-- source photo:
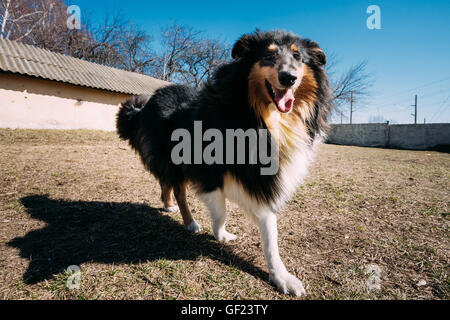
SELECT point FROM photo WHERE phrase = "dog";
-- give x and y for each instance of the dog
(274, 83)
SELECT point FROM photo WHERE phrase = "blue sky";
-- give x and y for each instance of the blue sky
(409, 55)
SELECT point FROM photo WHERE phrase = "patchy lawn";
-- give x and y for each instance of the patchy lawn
(83, 198)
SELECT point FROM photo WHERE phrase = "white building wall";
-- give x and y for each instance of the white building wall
(31, 103)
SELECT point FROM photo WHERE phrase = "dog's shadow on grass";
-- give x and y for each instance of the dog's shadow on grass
(110, 233)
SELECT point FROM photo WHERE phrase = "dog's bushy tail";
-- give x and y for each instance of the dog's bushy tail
(128, 115)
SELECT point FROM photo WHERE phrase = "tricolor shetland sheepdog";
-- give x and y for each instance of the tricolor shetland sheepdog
(275, 83)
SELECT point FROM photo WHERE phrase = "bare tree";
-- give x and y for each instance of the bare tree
(354, 83)
(43, 23)
(117, 43)
(5, 14)
(104, 43)
(185, 56)
(136, 52)
(176, 40)
(21, 18)
(199, 62)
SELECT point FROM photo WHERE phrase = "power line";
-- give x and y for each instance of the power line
(403, 101)
(441, 108)
(414, 89)
(385, 103)
(445, 91)
(437, 100)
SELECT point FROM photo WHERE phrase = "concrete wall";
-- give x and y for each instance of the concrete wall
(368, 135)
(32, 103)
(418, 137)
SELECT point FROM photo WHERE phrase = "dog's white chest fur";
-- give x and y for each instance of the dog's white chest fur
(292, 175)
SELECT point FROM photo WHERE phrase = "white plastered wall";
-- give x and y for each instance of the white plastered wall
(33, 103)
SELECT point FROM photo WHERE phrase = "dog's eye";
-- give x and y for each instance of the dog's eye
(297, 56)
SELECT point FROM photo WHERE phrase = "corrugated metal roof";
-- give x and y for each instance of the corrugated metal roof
(24, 59)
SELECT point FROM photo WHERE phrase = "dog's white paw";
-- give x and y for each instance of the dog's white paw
(288, 284)
(225, 236)
(194, 227)
(171, 209)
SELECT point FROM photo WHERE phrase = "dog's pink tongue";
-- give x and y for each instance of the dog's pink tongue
(284, 99)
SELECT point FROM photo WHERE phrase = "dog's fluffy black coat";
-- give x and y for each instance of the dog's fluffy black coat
(223, 103)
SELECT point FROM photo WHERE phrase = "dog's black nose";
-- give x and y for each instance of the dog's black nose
(287, 79)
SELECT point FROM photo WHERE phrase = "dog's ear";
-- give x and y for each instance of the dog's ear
(319, 56)
(242, 47)
(315, 52)
(246, 43)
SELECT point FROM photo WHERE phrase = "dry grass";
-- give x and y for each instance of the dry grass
(83, 198)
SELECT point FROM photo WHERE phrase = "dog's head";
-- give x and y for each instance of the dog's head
(281, 71)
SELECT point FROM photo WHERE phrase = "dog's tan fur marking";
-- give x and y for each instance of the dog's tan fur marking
(306, 95)
(273, 47)
(257, 91)
(294, 48)
(166, 196)
(180, 195)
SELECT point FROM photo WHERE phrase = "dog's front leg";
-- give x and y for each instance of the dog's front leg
(283, 280)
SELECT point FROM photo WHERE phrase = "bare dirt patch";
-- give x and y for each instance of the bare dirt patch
(83, 198)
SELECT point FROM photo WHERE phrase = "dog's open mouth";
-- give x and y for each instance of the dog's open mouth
(283, 98)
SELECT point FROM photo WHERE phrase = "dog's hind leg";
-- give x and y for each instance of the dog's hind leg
(166, 198)
(215, 201)
(283, 280)
(189, 222)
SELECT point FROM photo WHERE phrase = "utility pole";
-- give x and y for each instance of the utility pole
(415, 111)
(341, 117)
(351, 108)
